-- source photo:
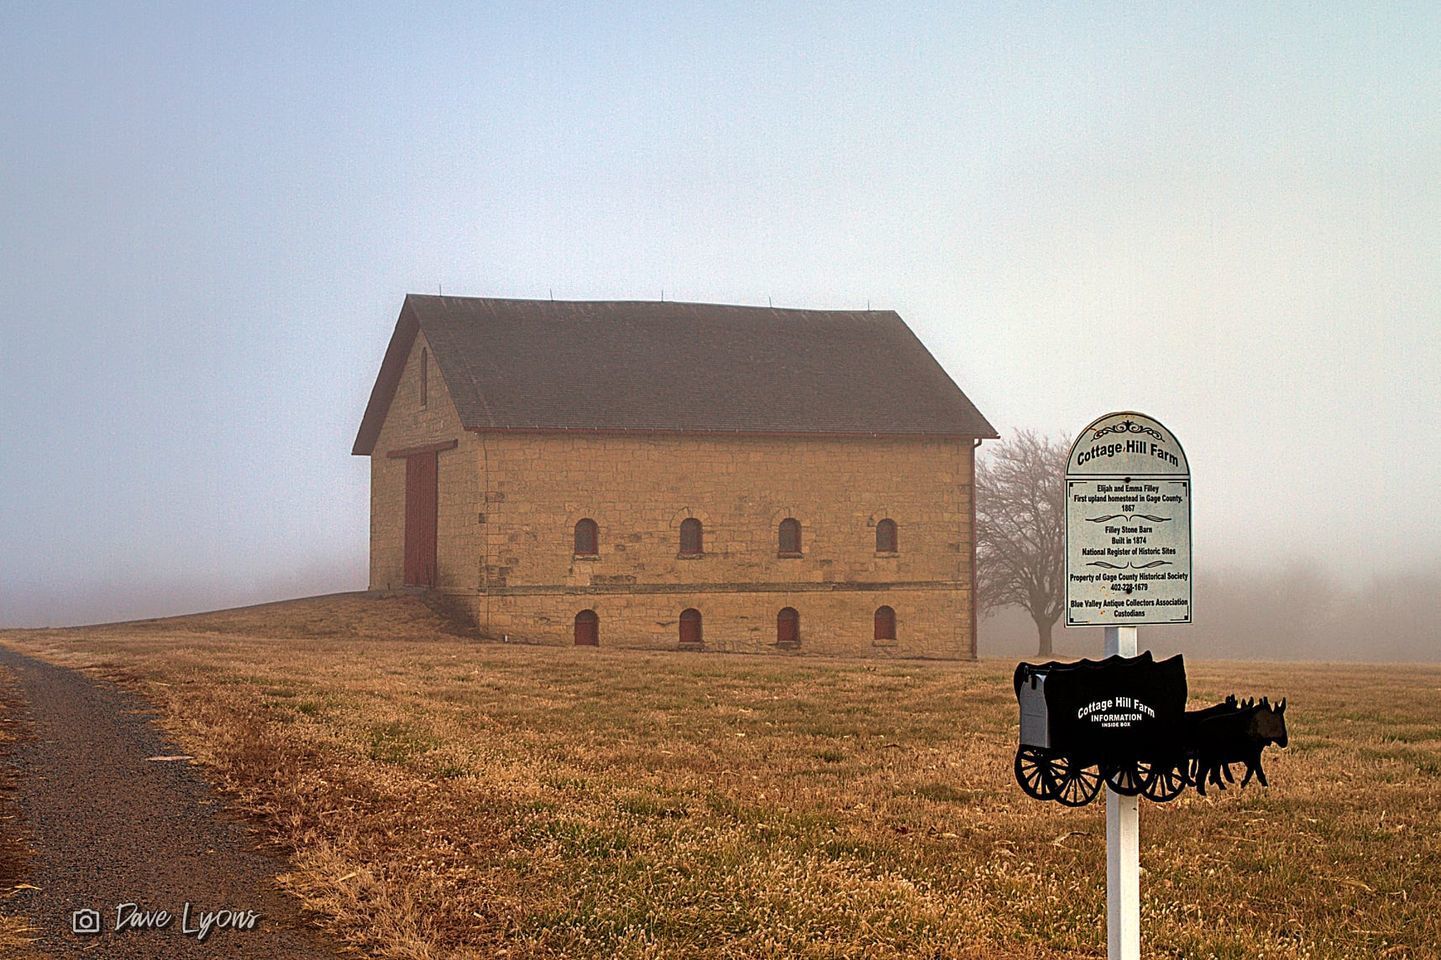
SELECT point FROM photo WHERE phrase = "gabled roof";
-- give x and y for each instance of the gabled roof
(637, 367)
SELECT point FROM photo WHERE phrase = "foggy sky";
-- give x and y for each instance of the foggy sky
(1229, 218)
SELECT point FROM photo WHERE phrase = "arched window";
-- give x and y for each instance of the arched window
(886, 536)
(587, 538)
(587, 629)
(691, 543)
(690, 626)
(424, 377)
(885, 624)
(788, 627)
(790, 537)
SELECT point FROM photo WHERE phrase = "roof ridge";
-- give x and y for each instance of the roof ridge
(668, 366)
(657, 303)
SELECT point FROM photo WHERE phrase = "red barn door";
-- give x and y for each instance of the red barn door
(420, 513)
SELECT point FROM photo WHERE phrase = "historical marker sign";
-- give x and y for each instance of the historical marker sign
(1128, 525)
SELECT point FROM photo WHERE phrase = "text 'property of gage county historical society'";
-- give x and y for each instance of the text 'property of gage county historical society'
(1128, 525)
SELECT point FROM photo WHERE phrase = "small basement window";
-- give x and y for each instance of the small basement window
(587, 629)
(690, 634)
(885, 625)
(788, 628)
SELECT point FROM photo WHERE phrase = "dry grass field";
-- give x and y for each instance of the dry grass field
(442, 798)
(15, 932)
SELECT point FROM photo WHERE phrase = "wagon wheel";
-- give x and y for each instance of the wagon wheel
(1077, 783)
(1125, 778)
(1035, 773)
(1162, 781)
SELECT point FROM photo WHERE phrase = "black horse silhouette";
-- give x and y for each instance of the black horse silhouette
(1236, 736)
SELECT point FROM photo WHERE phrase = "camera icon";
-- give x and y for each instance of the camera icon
(85, 921)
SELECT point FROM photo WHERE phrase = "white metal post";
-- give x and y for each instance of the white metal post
(1123, 846)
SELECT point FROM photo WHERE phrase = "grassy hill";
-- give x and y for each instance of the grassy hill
(443, 797)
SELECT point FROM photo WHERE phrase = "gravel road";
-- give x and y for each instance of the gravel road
(110, 826)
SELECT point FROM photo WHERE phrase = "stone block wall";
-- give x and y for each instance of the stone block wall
(509, 504)
(639, 489)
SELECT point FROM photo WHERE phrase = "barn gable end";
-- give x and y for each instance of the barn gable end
(408, 428)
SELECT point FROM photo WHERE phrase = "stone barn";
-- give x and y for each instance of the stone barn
(676, 475)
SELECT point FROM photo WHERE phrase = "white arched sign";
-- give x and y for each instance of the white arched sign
(1128, 525)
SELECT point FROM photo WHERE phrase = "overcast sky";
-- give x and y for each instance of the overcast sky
(1228, 217)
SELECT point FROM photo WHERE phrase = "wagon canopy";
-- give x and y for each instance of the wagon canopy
(1104, 702)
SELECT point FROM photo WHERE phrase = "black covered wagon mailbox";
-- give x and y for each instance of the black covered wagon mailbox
(1100, 721)
(1123, 722)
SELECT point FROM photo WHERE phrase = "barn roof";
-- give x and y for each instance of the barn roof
(617, 366)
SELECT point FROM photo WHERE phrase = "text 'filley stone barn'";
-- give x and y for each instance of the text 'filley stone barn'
(676, 475)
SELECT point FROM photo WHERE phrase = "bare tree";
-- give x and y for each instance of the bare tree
(1020, 528)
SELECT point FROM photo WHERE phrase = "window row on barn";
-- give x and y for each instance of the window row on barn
(692, 538)
(788, 627)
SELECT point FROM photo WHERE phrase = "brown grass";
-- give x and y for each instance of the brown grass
(17, 935)
(446, 798)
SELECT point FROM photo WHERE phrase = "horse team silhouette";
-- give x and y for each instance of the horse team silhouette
(1235, 733)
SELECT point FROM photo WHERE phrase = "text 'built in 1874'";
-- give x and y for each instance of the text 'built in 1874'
(1128, 525)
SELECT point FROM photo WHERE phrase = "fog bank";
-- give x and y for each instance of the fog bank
(1297, 611)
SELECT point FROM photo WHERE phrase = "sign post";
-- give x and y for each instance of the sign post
(1128, 562)
(1123, 845)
